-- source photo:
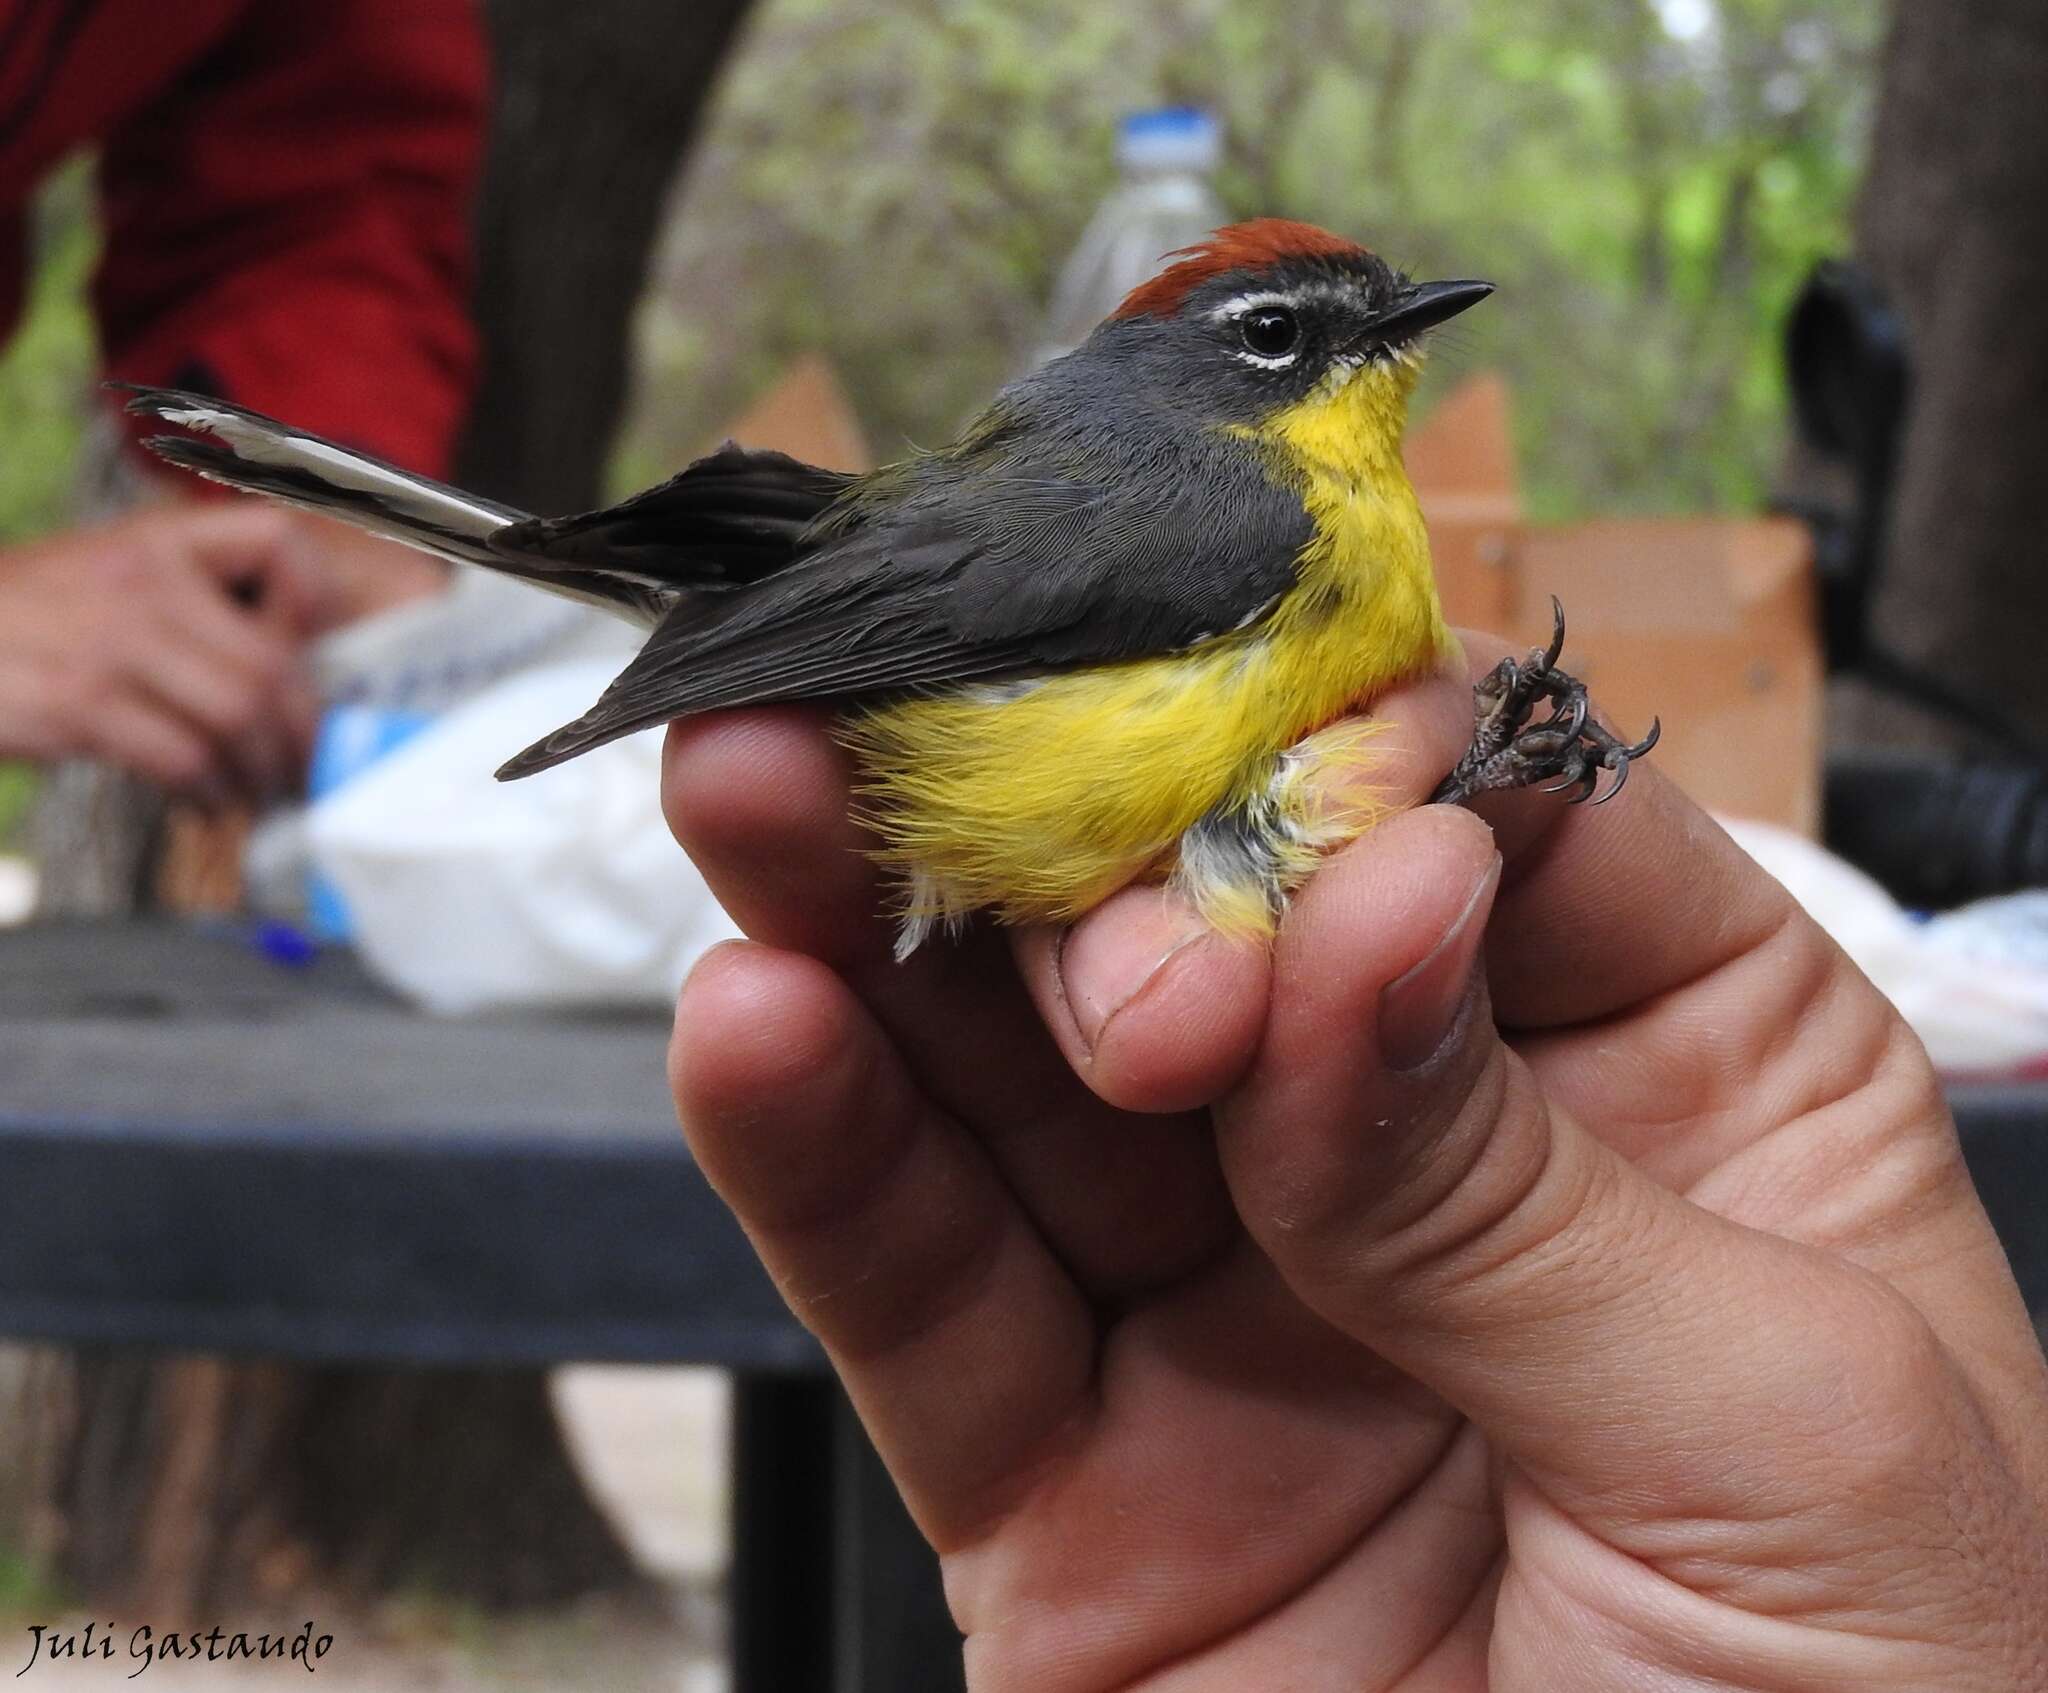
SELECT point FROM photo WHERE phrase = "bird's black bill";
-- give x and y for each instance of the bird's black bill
(1426, 305)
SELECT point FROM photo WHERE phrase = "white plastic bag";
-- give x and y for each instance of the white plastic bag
(466, 893)
(1974, 992)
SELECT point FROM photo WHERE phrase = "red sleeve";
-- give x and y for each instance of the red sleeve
(289, 224)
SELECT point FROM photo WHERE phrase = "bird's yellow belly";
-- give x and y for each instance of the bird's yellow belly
(1038, 798)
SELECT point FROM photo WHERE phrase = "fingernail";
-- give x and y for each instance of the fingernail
(1109, 959)
(1420, 1006)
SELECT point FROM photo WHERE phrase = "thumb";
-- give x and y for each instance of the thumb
(1400, 1166)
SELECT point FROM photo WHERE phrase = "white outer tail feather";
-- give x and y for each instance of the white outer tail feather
(287, 449)
(254, 454)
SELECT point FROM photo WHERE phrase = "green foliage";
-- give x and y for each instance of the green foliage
(26, 1590)
(898, 184)
(47, 370)
(17, 789)
(46, 373)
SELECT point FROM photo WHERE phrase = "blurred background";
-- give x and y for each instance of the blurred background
(1649, 185)
(896, 187)
(1760, 397)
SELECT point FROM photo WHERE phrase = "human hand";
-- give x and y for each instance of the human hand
(360, 575)
(167, 643)
(1552, 1270)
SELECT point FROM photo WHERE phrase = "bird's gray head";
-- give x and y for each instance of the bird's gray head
(1265, 315)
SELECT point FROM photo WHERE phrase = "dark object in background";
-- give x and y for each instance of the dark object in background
(387, 1197)
(1851, 376)
(596, 109)
(1936, 832)
(1845, 356)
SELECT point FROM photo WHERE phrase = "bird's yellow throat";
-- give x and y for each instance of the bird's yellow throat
(1040, 797)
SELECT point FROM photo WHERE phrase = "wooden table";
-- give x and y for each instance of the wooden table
(202, 1149)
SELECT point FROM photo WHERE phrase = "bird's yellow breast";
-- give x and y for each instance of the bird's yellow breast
(1040, 797)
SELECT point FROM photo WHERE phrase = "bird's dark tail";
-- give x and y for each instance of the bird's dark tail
(696, 542)
(246, 450)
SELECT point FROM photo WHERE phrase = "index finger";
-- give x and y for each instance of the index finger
(762, 802)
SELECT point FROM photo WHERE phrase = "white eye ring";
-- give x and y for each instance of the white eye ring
(1235, 311)
(1244, 355)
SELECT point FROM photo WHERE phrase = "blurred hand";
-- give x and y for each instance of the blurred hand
(360, 575)
(1552, 1268)
(167, 643)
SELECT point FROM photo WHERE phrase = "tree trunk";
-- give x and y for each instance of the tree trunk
(1954, 222)
(595, 106)
(182, 1488)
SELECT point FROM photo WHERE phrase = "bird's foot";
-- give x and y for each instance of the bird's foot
(1566, 751)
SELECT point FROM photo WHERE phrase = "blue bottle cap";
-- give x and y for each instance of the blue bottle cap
(1179, 138)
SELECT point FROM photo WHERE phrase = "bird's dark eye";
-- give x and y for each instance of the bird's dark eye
(1269, 331)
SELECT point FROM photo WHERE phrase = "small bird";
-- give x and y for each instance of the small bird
(1112, 632)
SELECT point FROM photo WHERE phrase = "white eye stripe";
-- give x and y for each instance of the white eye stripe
(1324, 293)
(1239, 304)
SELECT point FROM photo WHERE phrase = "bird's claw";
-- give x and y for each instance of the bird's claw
(1567, 751)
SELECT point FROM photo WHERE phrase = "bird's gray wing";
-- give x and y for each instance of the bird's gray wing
(1030, 546)
(730, 518)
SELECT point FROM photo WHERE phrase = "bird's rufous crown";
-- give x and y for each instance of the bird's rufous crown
(1238, 246)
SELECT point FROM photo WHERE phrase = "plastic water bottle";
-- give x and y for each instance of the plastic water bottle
(1163, 201)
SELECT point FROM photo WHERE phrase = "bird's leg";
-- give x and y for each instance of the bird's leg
(1567, 750)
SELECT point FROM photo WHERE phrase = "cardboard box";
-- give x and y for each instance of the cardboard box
(804, 413)
(1705, 623)
(1462, 462)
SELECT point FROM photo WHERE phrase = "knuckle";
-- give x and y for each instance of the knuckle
(1485, 1197)
(257, 521)
(70, 694)
(1888, 1391)
(254, 536)
(182, 766)
(1913, 1363)
(125, 567)
(241, 702)
(269, 667)
(125, 647)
